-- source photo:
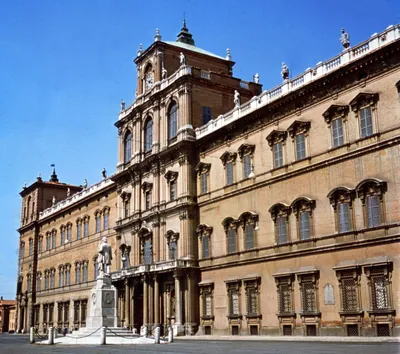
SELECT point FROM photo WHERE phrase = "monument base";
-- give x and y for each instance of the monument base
(103, 304)
(178, 329)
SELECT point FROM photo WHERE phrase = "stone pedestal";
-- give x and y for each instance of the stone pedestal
(103, 304)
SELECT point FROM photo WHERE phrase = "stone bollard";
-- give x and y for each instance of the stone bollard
(51, 336)
(143, 331)
(170, 335)
(134, 331)
(103, 336)
(54, 334)
(32, 335)
(157, 335)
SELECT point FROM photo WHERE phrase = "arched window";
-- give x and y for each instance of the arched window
(249, 220)
(302, 208)
(230, 227)
(148, 135)
(128, 146)
(172, 120)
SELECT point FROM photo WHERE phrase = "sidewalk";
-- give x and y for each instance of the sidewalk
(294, 339)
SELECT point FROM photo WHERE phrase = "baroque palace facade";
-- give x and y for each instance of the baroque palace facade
(233, 210)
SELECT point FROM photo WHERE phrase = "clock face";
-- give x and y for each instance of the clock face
(149, 80)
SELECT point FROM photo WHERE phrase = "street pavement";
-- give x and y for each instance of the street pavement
(19, 344)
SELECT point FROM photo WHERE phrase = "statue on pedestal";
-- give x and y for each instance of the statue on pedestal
(182, 59)
(285, 72)
(104, 257)
(345, 39)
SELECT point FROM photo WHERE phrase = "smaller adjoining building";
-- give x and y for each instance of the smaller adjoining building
(7, 315)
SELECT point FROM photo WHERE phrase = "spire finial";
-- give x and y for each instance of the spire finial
(228, 54)
(140, 51)
(157, 37)
(53, 177)
(184, 20)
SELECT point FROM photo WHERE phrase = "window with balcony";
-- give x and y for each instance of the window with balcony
(371, 192)
(364, 106)
(204, 232)
(280, 216)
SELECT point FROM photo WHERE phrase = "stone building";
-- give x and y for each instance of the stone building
(7, 315)
(234, 210)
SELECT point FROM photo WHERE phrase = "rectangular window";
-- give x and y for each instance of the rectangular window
(40, 245)
(373, 211)
(69, 233)
(78, 231)
(304, 220)
(30, 247)
(379, 289)
(284, 298)
(206, 114)
(206, 246)
(172, 250)
(366, 122)
(233, 302)
(249, 231)
(85, 273)
(343, 217)
(308, 298)
(47, 243)
(46, 282)
(349, 294)
(229, 173)
(231, 241)
(78, 275)
(203, 183)
(278, 155)
(337, 132)
(52, 281)
(281, 228)
(62, 237)
(86, 229)
(207, 304)
(300, 147)
(147, 196)
(147, 251)
(61, 279)
(127, 207)
(246, 166)
(53, 241)
(252, 301)
(172, 190)
(67, 277)
(98, 223)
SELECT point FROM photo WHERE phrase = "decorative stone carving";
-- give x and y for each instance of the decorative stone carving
(364, 99)
(246, 149)
(302, 204)
(164, 73)
(341, 195)
(202, 167)
(345, 39)
(335, 111)
(122, 105)
(204, 230)
(85, 183)
(228, 157)
(298, 127)
(229, 222)
(171, 176)
(371, 186)
(276, 136)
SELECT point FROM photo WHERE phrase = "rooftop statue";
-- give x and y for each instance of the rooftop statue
(256, 78)
(85, 183)
(164, 73)
(236, 99)
(285, 72)
(182, 59)
(345, 39)
(104, 257)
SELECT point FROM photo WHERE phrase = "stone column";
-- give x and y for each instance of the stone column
(40, 318)
(127, 303)
(156, 301)
(178, 300)
(25, 324)
(132, 305)
(151, 300)
(145, 298)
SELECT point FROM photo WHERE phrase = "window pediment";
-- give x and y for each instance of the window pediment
(171, 176)
(229, 223)
(276, 136)
(335, 111)
(248, 217)
(364, 99)
(125, 196)
(228, 156)
(144, 232)
(202, 167)
(279, 209)
(147, 186)
(299, 127)
(371, 186)
(341, 195)
(302, 204)
(204, 230)
(172, 236)
(246, 149)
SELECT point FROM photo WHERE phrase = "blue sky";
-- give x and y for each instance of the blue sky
(65, 65)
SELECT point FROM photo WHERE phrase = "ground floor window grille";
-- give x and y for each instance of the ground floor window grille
(383, 330)
(352, 330)
(308, 296)
(311, 330)
(287, 330)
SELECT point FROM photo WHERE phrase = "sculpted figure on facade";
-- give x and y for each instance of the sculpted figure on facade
(236, 99)
(285, 72)
(345, 39)
(164, 73)
(182, 59)
(104, 257)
